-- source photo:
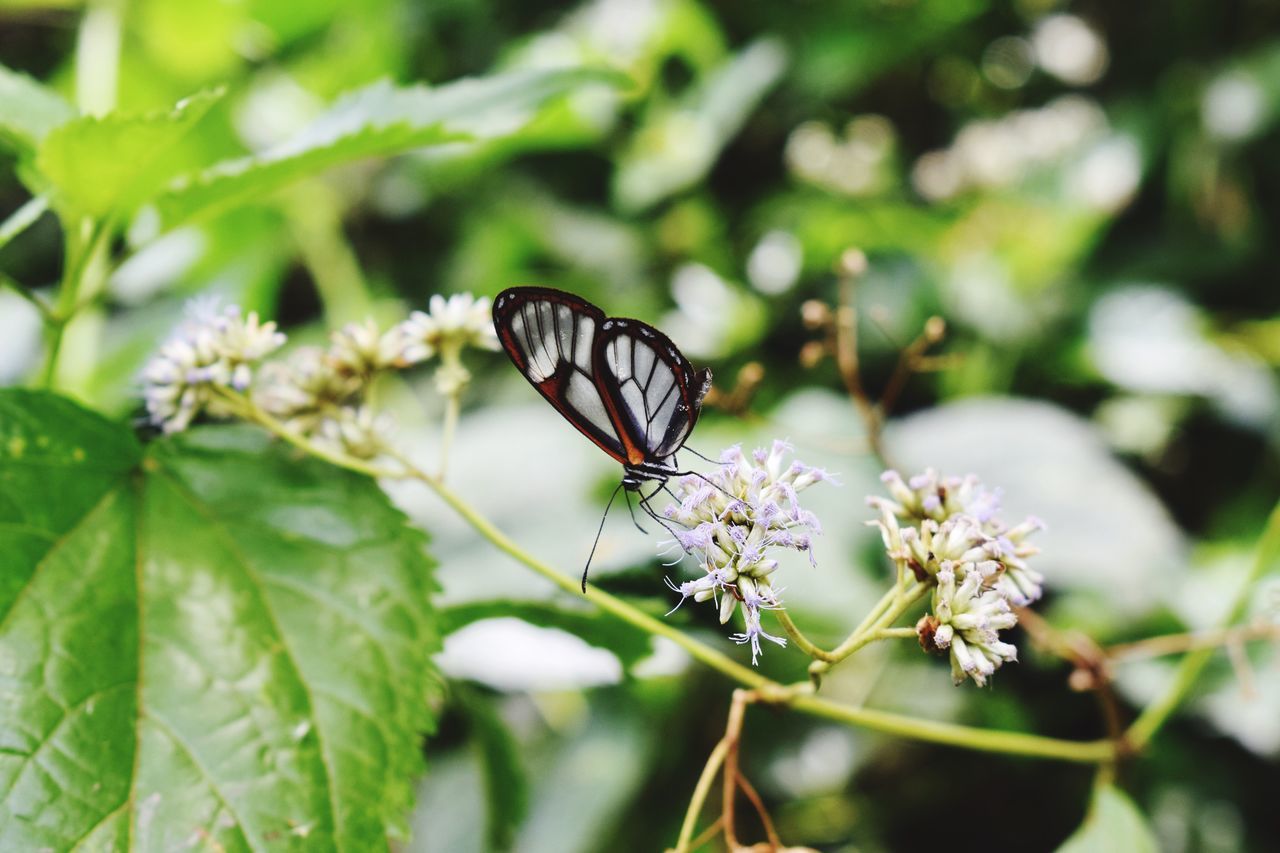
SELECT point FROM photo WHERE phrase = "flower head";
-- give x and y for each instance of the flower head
(947, 531)
(303, 387)
(362, 349)
(965, 620)
(450, 324)
(358, 432)
(930, 520)
(215, 347)
(732, 520)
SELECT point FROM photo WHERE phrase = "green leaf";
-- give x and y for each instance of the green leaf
(99, 166)
(1113, 825)
(205, 642)
(593, 626)
(679, 143)
(506, 784)
(28, 111)
(376, 121)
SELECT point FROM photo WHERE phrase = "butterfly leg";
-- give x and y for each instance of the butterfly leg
(632, 510)
(644, 503)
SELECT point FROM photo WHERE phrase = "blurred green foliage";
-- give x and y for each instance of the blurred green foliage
(1086, 192)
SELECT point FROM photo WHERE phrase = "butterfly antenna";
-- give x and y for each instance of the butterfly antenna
(704, 458)
(632, 510)
(587, 567)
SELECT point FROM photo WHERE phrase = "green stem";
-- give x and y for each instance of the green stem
(452, 407)
(1014, 743)
(895, 634)
(82, 269)
(982, 740)
(884, 614)
(98, 57)
(1155, 715)
(315, 219)
(802, 642)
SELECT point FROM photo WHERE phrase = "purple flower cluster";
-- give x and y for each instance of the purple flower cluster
(731, 520)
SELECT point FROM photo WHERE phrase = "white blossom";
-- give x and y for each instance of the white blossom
(947, 532)
(363, 349)
(450, 324)
(358, 431)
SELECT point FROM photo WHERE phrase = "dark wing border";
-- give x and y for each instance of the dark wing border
(691, 384)
(553, 388)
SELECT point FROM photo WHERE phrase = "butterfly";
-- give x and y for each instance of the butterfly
(622, 383)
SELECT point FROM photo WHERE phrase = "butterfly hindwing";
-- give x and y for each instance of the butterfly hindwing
(654, 392)
(551, 336)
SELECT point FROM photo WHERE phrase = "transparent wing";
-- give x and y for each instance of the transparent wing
(550, 336)
(656, 393)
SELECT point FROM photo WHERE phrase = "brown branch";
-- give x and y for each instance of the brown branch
(754, 797)
(1173, 644)
(909, 361)
(852, 264)
(1091, 669)
(732, 737)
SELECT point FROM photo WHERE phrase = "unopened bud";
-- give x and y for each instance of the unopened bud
(935, 328)
(812, 354)
(852, 263)
(815, 313)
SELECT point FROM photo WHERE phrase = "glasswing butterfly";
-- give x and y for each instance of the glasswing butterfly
(621, 383)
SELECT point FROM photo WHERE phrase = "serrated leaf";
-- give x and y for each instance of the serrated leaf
(205, 642)
(594, 627)
(99, 166)
(506, 784)
(28, 111)
(378, 120)
(1113, 825)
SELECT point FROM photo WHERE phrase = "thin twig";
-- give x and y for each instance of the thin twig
(707, 834)
(754, 797)
(908, 363)
(852, 264)
(1173, 644)
(1091, 669)
(700, 791)
(732, 734)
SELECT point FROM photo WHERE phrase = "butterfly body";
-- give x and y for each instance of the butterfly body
(622, 383)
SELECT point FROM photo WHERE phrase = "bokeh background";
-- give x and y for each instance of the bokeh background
(1085, 192)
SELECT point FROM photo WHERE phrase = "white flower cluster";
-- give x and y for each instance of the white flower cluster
(316, 391)
(448, 327)
(213, 348)
(732, 518)
(947, 533)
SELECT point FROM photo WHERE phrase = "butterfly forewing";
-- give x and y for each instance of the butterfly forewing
(550, 336)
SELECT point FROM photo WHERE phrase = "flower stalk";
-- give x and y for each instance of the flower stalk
(731, 519)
